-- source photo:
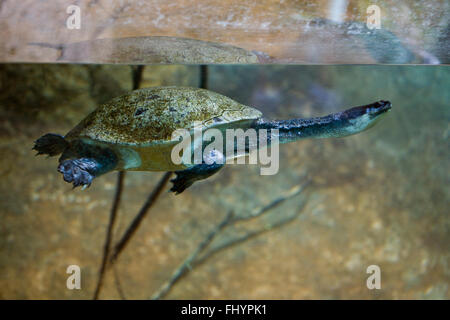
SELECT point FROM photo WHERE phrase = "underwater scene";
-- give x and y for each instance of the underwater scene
(367, 198)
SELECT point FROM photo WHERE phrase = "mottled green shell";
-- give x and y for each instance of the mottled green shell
(150, 116)
(157, 50)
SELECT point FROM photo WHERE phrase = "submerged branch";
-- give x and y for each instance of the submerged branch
(131, 230)
(118, 284)
(257, 212)
(137, 72)
(204, 76)
(112, 220)
(196, 258)
(252, 234)
(187, 264)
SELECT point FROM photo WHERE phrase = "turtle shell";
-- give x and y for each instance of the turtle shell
(157, 49)
(151, 115)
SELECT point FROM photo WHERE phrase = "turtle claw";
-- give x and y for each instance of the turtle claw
(50, 144)
(79, 172)
(187, 177)
(181, 183)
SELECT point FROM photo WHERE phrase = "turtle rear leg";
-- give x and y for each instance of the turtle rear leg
(50, 144)
(185, 178)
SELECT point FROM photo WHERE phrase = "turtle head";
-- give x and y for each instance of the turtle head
(378, 109)
(364, 117)
(371, 111)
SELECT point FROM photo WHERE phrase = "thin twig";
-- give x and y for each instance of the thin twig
(137, 72)
(112, 220)
(257, 212)
(187, 263)
(140, 216)
(118, 284)
(247, 236)
(204, 76)
(194, 259)
(136, 82)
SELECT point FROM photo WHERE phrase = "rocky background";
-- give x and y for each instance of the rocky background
(281, 29)
(377, 198)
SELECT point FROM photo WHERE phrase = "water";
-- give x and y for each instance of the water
(287, 31)
(376, 198)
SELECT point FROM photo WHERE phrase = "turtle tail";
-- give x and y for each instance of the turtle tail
(50, 144)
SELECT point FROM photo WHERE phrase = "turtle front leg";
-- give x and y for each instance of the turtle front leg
(81, 163)
(80, 172)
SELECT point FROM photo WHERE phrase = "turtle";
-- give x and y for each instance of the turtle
(154, 50)
(134, 132)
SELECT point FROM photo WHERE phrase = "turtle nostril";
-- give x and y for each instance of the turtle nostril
(384, 103)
